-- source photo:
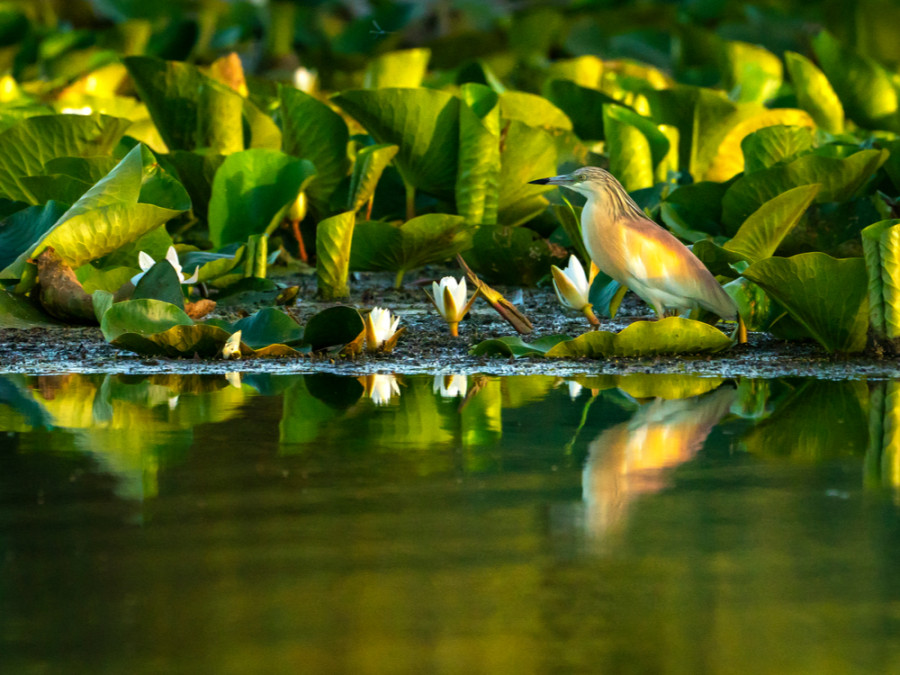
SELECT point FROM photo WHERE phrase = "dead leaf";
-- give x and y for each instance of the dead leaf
(199, 309)
(504, 307)
(60, 292)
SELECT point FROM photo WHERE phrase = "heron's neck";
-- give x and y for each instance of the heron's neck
(616, 203)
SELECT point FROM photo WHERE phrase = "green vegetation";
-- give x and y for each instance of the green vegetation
(273, 139)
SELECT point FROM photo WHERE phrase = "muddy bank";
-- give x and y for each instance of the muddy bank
(427, 346)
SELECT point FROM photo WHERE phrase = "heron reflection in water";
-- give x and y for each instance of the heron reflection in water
(634, 458)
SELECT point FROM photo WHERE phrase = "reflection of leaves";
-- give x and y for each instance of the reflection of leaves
(820, 421)
(516, 347)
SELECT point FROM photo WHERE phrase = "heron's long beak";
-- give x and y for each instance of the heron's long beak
(553, 180)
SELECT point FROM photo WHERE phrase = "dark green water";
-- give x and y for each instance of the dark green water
(294, 525)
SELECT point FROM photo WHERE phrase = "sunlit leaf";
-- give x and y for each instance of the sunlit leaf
(635, 147)
(840, 179)
(403, 68)
(190, 109)
(367, 170)
(864, 87)
(478, 176)
(753, 72)
(527, 153)
(251, 192)
(828, 297)
(532, 110)
(774, 145)
(673, 335)
(334, 237)
(50, 136)
(759, 235)
(143, 317)
(814, 93)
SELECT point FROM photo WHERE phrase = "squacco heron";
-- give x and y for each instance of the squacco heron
(640, 254)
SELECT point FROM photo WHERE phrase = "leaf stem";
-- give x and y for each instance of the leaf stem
(398, 280)
(410, 201)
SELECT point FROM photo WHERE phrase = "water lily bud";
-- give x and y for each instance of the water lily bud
(573, 289)
(450, 301)
(232, 348)
(380, 327)
(297, 212)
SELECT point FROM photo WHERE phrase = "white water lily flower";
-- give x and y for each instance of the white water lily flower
(381, 388)
(146, 262)
(380, 327)
(450, 386)
(86, 110)
(573, 289)
(450, 301)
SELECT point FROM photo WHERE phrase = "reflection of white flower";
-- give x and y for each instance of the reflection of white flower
(574, 389)
(381, 388)
(380, 326)
(146, 262)
(234, 379)
(450, 301)
(450, 386)
(305, 80)
(173, 402)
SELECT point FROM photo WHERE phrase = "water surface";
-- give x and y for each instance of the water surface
(626, 524)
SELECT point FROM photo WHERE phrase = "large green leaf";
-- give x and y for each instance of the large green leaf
(512, 255)
(334, 237)
(526, 154)
(423, 123)
(533, 110)
(160, 282)
(332, 327)
(673, 335)
(815, 93)
(635, 147)
(694, 207)
(197, 170)
(191, 110)
(434, 237)
(759, 235)
(251, 192)
(478, 175)
(268, 326)
(840, 179)
(864, 87)
(775, 145)
(827, 296)
(403, 68)
(106, 217)
(752, 73)
(315, 132)
(881, 247)
(367, 170)
(27, 146)
(143, 317)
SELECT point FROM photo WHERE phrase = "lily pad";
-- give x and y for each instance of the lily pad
(673, 335)
(516, 347)
(143, 317)
(827, 296)
(268, 326)
(333, 327)
(775, 144)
